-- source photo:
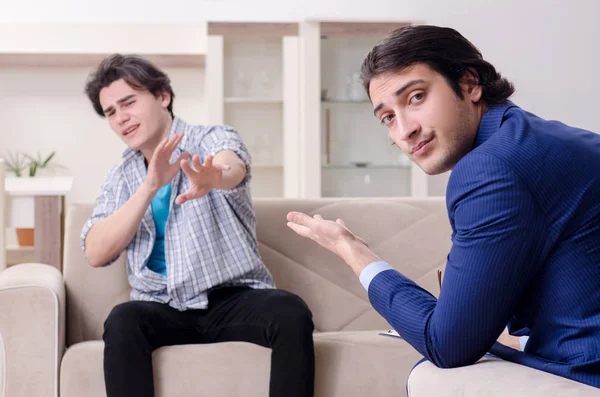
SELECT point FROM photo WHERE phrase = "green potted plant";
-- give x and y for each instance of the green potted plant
(38, 163)
(15, 163)
(23, 163)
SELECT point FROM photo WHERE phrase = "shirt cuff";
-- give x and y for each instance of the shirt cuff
(523, 341)
(370, 271)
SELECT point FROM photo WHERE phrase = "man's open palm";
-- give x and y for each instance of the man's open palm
(203, 177)
(160, 169)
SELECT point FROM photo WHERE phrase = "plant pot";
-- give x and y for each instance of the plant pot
(25, 237)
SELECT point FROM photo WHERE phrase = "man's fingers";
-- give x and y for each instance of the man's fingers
(182, 198)
(222, 167)
(171, 143)
(301, 219)
(174, 142)
(341, 222)
(182, 159)
(196, 162)
(208, 161)
(167, 146)
(301, 230)
(160, 146)
(186, 168)
(178, 140)
(317, 216)
(308, 233)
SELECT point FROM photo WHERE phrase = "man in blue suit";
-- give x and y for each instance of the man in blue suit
(524, 205)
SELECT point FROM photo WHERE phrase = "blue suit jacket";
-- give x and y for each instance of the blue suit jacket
(524, 206)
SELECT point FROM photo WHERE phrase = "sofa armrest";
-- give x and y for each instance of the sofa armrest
(32, 324)
(493, 378)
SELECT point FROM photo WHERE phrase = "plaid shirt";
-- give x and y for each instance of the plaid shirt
(209, 242)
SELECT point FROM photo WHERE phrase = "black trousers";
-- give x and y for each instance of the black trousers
(270, 318)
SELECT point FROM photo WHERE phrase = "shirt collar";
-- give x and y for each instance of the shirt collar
(491, 122)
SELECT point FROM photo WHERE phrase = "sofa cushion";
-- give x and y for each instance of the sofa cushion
(494, 378)
(345, 366)
(362, 363)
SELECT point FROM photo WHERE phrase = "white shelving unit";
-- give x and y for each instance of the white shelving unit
(344, 149)
(252, 85)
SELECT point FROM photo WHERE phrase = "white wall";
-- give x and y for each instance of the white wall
(548, 48)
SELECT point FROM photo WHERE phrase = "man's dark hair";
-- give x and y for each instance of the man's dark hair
(444, 50)
(138, 72)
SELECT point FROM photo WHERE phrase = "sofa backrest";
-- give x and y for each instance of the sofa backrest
(412, 234)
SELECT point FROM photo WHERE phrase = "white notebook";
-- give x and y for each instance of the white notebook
(391, 333)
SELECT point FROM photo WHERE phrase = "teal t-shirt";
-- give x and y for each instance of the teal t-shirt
(160, 211)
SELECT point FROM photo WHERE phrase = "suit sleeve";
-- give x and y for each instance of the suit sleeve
(498, 241)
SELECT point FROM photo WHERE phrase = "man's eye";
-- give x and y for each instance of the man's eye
(417, 97)
(387, 119)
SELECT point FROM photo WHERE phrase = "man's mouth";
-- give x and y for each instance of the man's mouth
(420, 146)
(131, 129)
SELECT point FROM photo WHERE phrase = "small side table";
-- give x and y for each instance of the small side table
(47, 193)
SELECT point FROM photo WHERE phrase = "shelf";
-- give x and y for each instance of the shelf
(367, 167)
(80, 60)
(253, 100)
(343, 101)
(267, 165)
(359, 29)
(17, 254)
(38, 186)
(252, 29)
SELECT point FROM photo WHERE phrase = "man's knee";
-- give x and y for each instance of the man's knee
(289, 312)
(125, 320)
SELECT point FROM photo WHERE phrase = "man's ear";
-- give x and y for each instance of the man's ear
(165, 98)
(471, 85)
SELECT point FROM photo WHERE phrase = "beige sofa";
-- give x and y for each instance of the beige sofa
(51, 325)
(492, 378)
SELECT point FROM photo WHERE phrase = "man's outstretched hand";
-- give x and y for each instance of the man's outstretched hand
(334, 236)
(160, 169)
(203, 177)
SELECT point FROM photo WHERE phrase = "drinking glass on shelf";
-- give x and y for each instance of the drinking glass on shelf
(266, 84)
(242, 82)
